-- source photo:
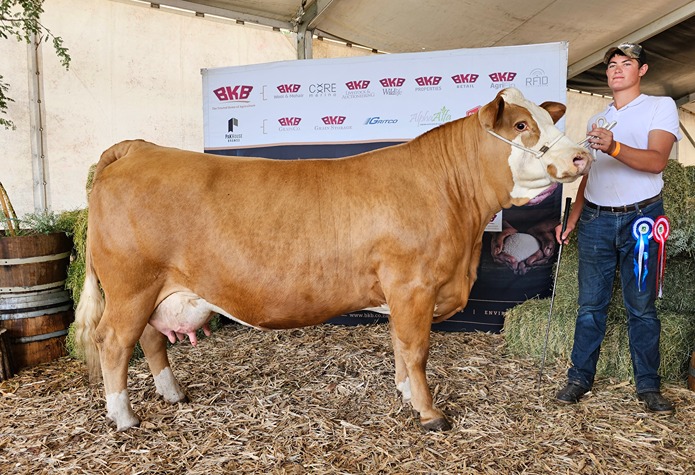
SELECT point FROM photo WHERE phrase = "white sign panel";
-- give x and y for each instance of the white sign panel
(376, 98)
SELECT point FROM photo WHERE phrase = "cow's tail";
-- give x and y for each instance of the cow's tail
(91, 305)
(87, 316)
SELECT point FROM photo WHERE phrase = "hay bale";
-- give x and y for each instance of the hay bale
(76, 269)
(524, 332)
(678, 286)
(679, 204)
(524, 326)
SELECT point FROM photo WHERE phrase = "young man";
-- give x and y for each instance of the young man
(623, 186)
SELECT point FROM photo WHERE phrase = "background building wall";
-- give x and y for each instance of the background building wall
(135, 73)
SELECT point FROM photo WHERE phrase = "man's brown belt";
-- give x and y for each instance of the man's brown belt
(624, 208)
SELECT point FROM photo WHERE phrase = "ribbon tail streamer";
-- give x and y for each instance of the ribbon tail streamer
(641, 260)
(642, 232)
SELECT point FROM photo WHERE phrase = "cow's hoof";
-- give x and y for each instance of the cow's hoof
(437, 425)
(135, 423)
(123, 425)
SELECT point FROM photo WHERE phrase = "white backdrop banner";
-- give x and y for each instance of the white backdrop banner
(375, 98)
(330, 108)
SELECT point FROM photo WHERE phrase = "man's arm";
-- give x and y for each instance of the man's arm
(654, 159)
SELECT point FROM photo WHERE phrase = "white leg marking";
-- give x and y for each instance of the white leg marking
(404, 388)
(386, 310)
(168, 387)
(383, 309)
(118, 409)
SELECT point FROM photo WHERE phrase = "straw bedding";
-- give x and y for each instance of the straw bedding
(322, 400)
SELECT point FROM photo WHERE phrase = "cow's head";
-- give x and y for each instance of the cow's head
(540, 154)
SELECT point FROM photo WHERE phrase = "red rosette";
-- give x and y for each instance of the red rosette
(662, 229)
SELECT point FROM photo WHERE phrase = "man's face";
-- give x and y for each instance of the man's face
(623, 72)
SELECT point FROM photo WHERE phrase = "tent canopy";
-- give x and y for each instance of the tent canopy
(666, 28)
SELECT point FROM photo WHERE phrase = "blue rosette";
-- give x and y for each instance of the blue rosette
(642, 231)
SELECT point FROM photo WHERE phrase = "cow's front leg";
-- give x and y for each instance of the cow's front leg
(154, 345)
(114, 356)
(402, 381)
(411, 322)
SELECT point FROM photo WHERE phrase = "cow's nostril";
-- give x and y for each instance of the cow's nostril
(581, 162)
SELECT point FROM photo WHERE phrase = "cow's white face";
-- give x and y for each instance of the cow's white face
(532, 126)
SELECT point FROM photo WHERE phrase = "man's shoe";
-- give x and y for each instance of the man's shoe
(655, 402)
(571, 393)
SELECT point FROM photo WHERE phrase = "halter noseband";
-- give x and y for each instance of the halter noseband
(537, 153)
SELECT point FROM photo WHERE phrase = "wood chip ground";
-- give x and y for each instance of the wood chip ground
(322, 400)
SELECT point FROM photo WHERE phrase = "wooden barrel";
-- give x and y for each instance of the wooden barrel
(35, 308)
(691, 373)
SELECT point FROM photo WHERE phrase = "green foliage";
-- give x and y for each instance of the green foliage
(21, 19)
(45, 222)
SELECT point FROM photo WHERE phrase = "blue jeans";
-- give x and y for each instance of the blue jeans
(605, 241)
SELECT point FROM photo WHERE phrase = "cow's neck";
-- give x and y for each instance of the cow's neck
(480, 168)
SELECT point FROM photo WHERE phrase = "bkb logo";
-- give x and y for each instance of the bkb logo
(289, 88)
(507, 76)
(233, 93)
(357, 85)
(333, 119)
(392, 82)
(428, 80)
(465, 78)
(289, 121)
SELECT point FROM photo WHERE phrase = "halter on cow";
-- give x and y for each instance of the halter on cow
(283, 244)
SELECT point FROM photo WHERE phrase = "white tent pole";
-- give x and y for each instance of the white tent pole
(37, 115)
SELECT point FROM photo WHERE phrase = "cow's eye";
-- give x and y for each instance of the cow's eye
(520, 126)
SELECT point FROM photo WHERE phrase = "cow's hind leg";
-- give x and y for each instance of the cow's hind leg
(154, 345)
(411, 322)
(116, 343)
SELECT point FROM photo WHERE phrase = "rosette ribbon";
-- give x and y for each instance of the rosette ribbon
(642, 232)
(662, 228)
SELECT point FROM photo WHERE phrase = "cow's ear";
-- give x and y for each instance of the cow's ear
(489, 114)
(555, 109)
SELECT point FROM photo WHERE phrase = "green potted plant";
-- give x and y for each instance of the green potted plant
(35, 307)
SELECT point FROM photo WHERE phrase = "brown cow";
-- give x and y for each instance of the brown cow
(175, 236)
